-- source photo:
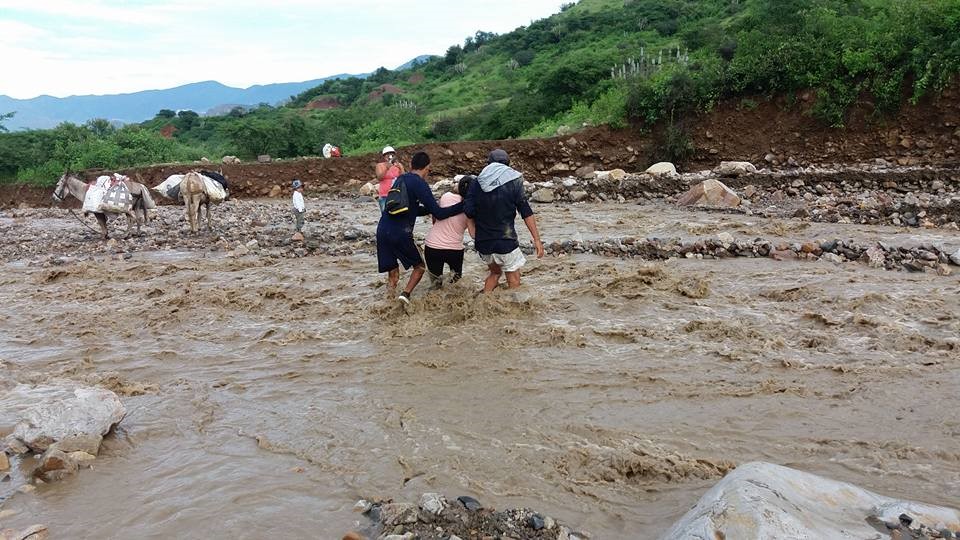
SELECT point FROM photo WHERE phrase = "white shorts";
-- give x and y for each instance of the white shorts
(508, 262)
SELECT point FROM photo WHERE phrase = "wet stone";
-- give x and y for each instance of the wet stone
(55, 465)
(398, 513)
(432, 503)
(470, 503)
(913, 266)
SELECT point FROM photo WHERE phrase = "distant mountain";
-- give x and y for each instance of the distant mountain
(415, 62)
(48, 111)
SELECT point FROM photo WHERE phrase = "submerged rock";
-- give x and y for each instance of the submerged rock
(55, 465)
(766, 501)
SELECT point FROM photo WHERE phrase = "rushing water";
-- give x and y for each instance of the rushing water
(266, 396)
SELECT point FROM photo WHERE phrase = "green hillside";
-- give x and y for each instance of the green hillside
(616, 62)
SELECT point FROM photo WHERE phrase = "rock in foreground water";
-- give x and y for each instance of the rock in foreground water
(89, 412)
(766, 501)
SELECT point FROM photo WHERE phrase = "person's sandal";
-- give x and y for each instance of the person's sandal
(404, 298)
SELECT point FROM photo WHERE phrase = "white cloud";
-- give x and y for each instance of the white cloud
(64, 47)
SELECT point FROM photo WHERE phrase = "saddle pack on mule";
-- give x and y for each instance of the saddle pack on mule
(108, 194)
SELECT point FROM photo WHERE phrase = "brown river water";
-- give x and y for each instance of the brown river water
(266, 395)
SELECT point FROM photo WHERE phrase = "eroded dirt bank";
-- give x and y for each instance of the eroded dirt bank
(275, 380)
(768, 132)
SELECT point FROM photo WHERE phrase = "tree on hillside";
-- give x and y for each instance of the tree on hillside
(453, 55)
(165, 113)
(524, 57)
(381, 75)
(3, 118)
(101, 127)
(187, 119)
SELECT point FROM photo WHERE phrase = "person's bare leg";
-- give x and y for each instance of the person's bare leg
(415, 278)
(490, 283)
(513, 279)
(393, 279)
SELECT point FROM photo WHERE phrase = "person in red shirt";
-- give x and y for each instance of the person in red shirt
(388, 169)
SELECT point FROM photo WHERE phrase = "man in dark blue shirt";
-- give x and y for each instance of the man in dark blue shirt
(493, 203)
(395, 232)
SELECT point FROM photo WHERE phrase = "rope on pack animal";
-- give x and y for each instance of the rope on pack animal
(84, 223)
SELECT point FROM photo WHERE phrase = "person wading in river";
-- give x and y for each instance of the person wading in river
(395, 230)
(493, 202)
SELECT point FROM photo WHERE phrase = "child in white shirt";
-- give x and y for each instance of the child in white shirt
(299, 207)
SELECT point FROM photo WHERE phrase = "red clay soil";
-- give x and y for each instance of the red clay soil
(383, 90)
(926, 133)
(323, 103)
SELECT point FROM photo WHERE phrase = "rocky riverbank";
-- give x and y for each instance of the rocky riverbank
(262, 229)
(463, 518)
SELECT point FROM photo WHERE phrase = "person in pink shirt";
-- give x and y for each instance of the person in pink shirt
(387, 169)
(444, 244)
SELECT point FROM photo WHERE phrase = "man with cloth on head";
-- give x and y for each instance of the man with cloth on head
(492, 203)
(395, 231)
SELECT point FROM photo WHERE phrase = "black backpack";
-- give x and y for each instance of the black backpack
(398, 202)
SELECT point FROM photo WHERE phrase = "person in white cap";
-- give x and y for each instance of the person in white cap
(299, 207)
(388, 169)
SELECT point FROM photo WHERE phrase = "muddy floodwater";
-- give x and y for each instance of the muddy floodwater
(267, 394)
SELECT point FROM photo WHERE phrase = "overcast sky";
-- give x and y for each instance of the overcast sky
(73, 47)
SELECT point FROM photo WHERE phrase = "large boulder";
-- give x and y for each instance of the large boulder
(710, 193)
(369, 190)
(735, 168)
(587, 171)
(543, 195)
(445, 185)
(759, 501)
(85, 413)
(664, 168)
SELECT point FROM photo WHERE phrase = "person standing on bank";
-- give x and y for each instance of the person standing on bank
(395, 244)
(493, 202)
(299, 207)
(387, 169)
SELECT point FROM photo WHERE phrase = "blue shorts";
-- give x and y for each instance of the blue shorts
(392, 249)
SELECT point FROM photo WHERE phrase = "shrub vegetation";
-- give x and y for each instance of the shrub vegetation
(615, 62)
